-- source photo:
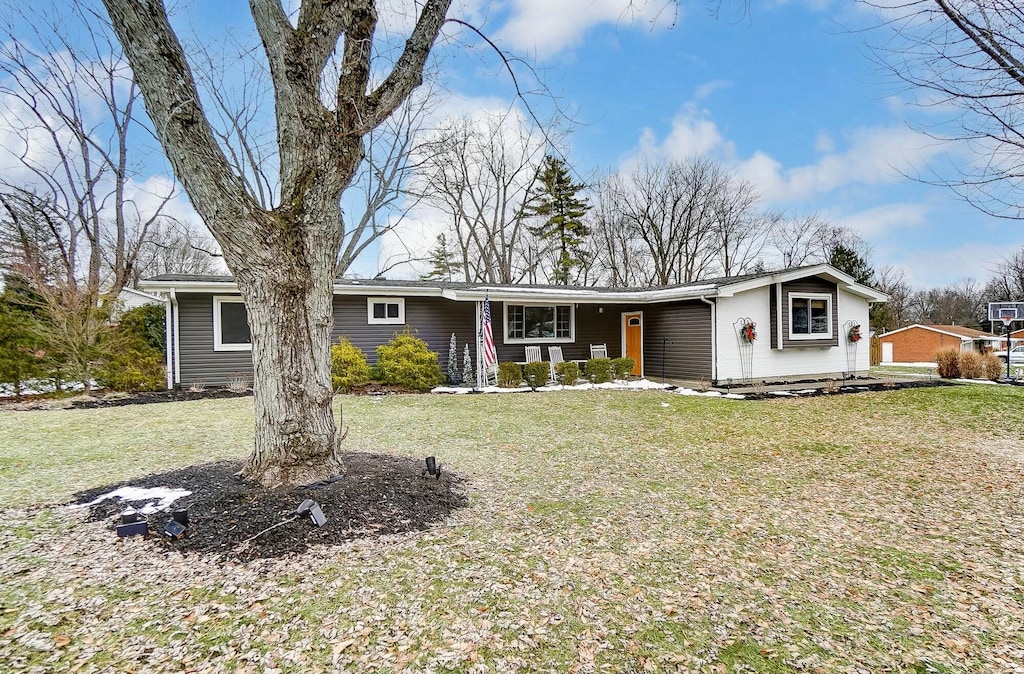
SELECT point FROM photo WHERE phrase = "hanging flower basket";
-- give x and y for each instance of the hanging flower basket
(748, 333)
(854, 334)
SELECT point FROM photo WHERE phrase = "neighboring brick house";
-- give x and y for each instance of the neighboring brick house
(919, 343)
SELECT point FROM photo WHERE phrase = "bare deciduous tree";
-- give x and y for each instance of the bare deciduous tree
(72, 145)
(968, 56)
(283, 258)
(479, 173)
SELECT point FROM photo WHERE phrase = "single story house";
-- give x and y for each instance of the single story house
(919, 343)
(803, 323)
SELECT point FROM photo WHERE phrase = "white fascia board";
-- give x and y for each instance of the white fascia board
(962, 338)
(505, 294)
(229, 287)
(841, 279)
(386, 291)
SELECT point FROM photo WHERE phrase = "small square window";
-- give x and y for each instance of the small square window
(810, 316)
(230, 325)
(385, 310)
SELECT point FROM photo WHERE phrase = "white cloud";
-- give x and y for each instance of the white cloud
(544, 27)
(885, 219)
(871, 156)
(693, 132)
(708, 88)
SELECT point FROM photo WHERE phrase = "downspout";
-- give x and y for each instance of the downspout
(714, 338)
(167, 340)
(177, 339)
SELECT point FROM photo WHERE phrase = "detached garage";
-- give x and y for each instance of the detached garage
(919, 343)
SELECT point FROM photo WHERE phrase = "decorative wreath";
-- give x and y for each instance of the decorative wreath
(747, 332)
(854, 334)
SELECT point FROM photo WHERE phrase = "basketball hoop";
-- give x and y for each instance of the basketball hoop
(1007, 316)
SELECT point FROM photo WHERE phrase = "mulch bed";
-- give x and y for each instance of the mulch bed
(378, 495)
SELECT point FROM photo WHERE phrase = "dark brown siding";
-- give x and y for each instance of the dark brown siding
(682, 332)
(773, 310)
(809, 285)
(595, 324)
(432, 319)
(200, 364)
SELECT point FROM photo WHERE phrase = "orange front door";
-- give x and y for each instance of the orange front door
(633, 338)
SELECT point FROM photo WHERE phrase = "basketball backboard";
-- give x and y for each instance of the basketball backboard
(1003, 311)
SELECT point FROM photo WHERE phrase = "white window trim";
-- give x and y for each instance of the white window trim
(218, 345)
(817, 336)
(400, 320)
(541, 340)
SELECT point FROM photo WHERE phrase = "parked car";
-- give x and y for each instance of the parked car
(1016, 355)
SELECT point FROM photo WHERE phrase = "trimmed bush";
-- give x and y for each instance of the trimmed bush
(406, 361)
(948, 361)
(621, 367)
(568, 372)
(132, 366)
(971, 365)
(510, 375)
(992, 366)
(541, 372)
(348, 365)
(600, 369)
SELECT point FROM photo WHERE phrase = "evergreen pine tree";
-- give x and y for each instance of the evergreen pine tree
(444, 266)
(562, 228)
(453, 362)
(467, 367)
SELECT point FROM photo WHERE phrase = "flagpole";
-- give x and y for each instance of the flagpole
(479, 343)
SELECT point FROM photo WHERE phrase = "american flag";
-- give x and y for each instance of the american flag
(490, 354)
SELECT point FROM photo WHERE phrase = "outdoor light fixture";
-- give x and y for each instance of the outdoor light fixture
(311, 508)
(132, 529)
(593, 380)
(433, 468)
(728, 383)
(533, 382)
(174, 529)
(130, 516)
(180, 516)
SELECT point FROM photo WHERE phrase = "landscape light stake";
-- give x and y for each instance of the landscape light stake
(533, 382)
(174, 529)
(433, 468)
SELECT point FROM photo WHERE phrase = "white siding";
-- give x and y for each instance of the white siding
(790, 362)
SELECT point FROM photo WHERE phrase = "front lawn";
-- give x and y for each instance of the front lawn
(606, 531)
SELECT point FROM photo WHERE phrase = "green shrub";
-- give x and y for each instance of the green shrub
(132, 365)
(600, 369)
(568, 372)
(510, 375)
(348, 365)
(993, 367)
(406, 361)
(972, 365)
(948, 362)
(621, 367)
(541, 372)
(146, 322)
(21, 350)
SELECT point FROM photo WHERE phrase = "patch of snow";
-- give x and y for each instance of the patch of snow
(780, 393)
(617, 385)
(158, 499)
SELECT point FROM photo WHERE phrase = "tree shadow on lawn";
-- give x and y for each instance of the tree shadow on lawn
(378, 495)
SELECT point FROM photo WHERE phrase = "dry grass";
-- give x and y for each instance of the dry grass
(607, 531)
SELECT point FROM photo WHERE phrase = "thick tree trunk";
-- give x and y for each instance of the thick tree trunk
(296, 440)
(286, 276)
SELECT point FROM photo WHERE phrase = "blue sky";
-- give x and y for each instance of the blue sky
(788, 95)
